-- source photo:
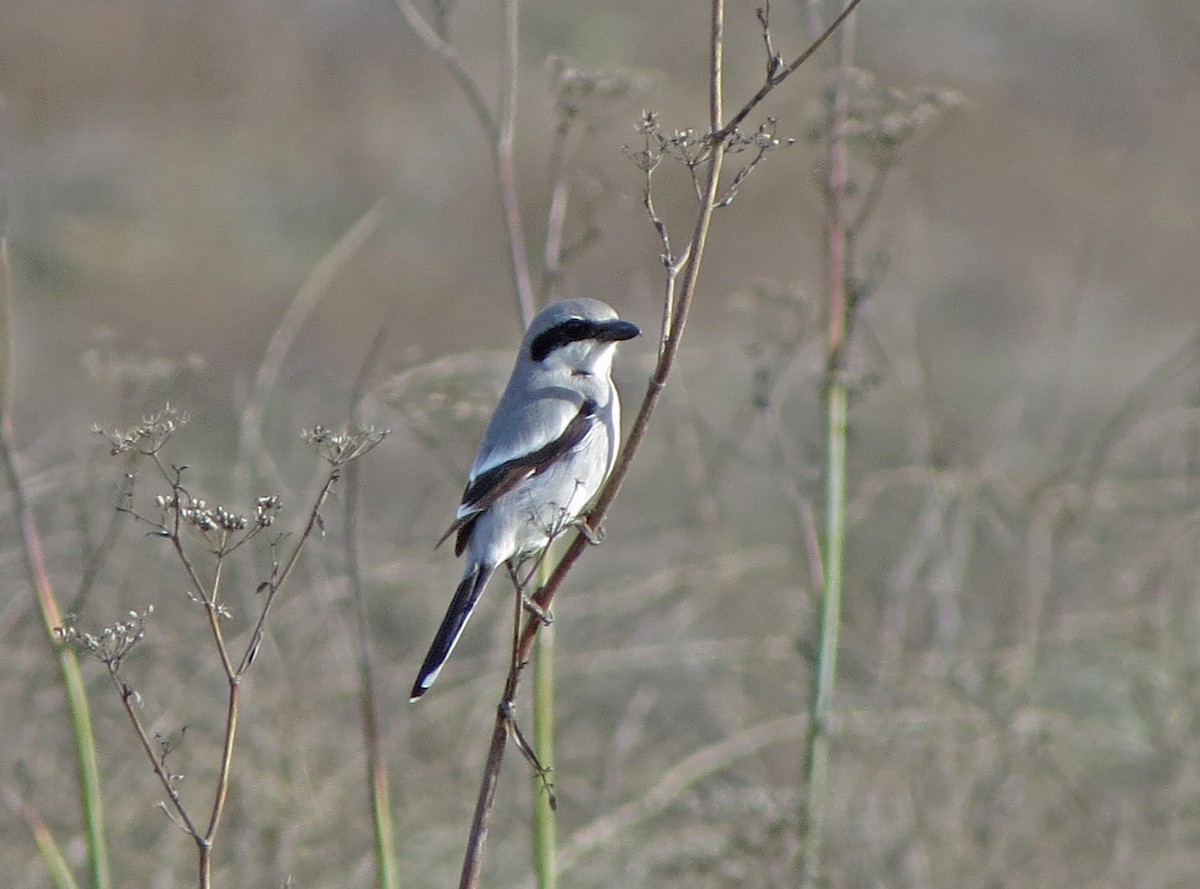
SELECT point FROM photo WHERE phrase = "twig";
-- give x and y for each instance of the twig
(48, 847)
(129, 700)
(448, 57)
(250, 441)
(556, 215)
(499, 128)
(473, 859)
(277, 582)
(39, 580)
(695, 767)
(784, 73)
(221, 534)
(378, 785)
(506, 173)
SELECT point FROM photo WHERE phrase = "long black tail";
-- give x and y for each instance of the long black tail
(456, 618)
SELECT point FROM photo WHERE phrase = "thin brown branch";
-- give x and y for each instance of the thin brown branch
(506, 174)
(277, 581)
(448, 57)
(129, 701)
(250, 443)
(783, 74)
(226, 768)
(695, 767)
(473, 859)
(498, 128)
(774, 59)
(31, 543)
(206, 597)
(556, 215)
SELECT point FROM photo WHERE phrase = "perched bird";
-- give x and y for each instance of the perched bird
(548, 448)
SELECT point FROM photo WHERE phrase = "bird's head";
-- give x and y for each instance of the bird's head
(579, 335)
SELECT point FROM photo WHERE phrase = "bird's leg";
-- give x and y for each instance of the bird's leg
(531, 606)
(594, 536)
(542, 773)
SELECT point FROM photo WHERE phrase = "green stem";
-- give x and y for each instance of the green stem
(35, 570)
(816, 767)
(838, 258)
(60, 873)
(545, 826)
(379, 789)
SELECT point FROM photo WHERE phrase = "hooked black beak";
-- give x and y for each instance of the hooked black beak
(615, 331)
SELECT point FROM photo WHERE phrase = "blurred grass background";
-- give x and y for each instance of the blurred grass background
(1018, 703)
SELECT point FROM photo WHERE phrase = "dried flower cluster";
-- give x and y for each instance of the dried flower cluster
(340, 448)
(111, 644)
(148, 437)
(693, 149)
(197, 513)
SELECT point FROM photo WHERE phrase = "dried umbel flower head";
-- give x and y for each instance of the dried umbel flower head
(148, 437)
(111, 644)
(341, 447)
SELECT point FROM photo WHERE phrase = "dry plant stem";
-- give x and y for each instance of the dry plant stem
(500, 131)
(278, 581)
(250, 443)
(816, 751)
(35, 569)
(473, 859)
(785, 72)
(695, 767)
(445, 53)
(506, 173)
(209, 596)
(60, 874)
(378, 784)
(556, 215)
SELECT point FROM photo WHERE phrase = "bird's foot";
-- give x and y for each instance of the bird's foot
(594, 536)
(537, 610)
(544, 775)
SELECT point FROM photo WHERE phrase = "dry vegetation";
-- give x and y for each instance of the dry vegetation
(1016, 705)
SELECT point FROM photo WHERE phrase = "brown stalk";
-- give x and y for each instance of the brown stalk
(473, 859)
(500, 130)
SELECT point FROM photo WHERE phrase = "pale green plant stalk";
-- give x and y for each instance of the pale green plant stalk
(387, 867)
(682, 269)
(60, 872)
(816, 753)
(837, 395)
(545, 824)
(500, 129)
(825, 668)
(86, 761)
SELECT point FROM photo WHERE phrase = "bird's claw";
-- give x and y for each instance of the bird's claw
(537, 610)
(594, 536)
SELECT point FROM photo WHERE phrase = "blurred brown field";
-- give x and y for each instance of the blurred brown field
(1017, 700)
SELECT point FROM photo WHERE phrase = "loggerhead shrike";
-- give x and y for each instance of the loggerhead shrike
(548, 448)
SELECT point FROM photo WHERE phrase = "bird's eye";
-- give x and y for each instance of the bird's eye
(570, 331)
